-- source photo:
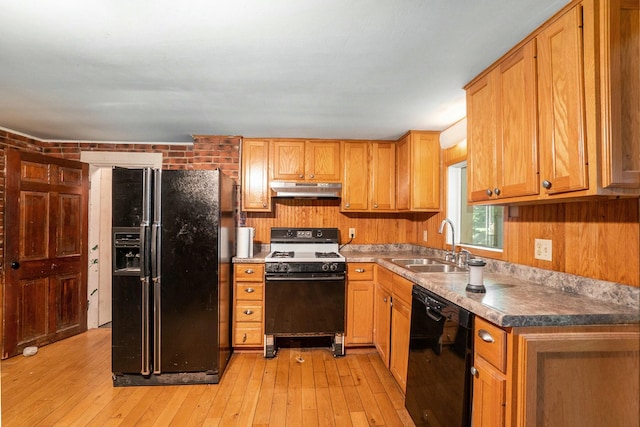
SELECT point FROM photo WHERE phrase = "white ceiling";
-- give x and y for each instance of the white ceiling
(162, 70)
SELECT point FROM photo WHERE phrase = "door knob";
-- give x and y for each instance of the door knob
(15, 265)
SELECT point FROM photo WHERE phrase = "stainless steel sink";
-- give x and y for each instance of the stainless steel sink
(404, 262)
(427, 265)
(436, 268)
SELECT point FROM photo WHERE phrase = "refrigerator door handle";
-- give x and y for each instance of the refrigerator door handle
(145, 369)
(156, 273)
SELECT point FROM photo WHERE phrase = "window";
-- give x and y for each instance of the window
(480, 226)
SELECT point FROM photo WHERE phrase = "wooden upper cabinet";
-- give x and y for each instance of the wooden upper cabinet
(383, 176)
(418, 172)
(355, 184)
(255, 182)
(305, 160)
(502, 123)
(563, 150)
(620, 92)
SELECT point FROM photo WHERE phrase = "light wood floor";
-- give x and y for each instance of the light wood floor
(69, 383)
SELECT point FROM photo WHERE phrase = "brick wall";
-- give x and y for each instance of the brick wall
(206, 152)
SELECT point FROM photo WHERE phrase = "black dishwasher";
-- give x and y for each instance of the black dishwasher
(440, 356)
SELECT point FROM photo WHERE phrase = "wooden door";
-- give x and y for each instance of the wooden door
(481, 139)
(489, 394)
(255, 182)
(403, 173)
(563, 146)
(45, 264)
(400, 334)
(425, 171)
(323, 162)
(517, 156)
(287, 159)
(382, 322)
(383, 176)
(355, 185)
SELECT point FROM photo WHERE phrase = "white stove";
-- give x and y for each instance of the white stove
(305, 250)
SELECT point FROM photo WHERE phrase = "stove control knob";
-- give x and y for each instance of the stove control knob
(289, 233)
(319, 233)
(325, 267)
(334, 266)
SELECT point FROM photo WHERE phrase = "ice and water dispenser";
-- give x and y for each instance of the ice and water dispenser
(126, 251)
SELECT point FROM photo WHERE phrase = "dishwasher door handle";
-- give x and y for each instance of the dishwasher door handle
(434, 314)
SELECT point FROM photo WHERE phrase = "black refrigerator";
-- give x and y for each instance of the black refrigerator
(172, 244)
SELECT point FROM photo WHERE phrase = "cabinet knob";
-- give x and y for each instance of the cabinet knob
(248, 312)
(485, 336)
(497, 191)
(301, 176)
(489, 192)
(546, 184)
(359, 270)
(375, 205)
(249, 271)
(347, 205)
(249, 290)
(312, 176)
(264, 205)
(384, 299)
(15, 265)
(474, 371)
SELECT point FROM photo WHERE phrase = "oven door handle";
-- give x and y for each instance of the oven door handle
(298, 278)
(434, 314)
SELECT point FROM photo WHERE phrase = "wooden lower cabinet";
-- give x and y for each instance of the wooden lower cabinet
(360, 302)
(382, 313)
(248, 306)
(556, 376)
(393, 322)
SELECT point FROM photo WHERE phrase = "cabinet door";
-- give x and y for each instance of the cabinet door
(593, 374)
(355, 185)
(287, 159)
(563, 151)
(620, 86)
(403, 173)
(400, 330)
(481, 139)
(517, 142)
(382, 322)
(489, 394)
(383, 176)
(359, 312)
(323, 161)
(255, 182)
(425, 171)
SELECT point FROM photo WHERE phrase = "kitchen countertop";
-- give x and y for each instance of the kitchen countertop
(509, 300)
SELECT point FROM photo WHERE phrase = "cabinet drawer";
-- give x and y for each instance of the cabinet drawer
(249, 272)
(490, 342)
(360, 271)
(249, 291)
(249, 334)
(249, 313)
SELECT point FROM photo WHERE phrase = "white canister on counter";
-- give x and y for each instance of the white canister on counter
(476, 276)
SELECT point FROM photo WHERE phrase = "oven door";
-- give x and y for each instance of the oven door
(304, 306)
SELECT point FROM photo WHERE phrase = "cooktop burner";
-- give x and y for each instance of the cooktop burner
(327, 255)
(282, 254)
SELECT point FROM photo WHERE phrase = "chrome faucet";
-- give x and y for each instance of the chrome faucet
(453, 238)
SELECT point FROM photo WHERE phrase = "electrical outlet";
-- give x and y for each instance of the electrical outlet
(542, 249)
(424, 235)
(352, 233)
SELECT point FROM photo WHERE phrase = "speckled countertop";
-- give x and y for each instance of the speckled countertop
(513, 299)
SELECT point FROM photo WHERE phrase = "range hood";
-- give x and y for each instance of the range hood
(306, 190)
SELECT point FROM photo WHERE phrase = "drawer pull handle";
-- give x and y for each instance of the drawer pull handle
(485, 336)
(474, 371)
(244, 337)
(248, 312)
(249, 271)
(359, 270)
(249, 290)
